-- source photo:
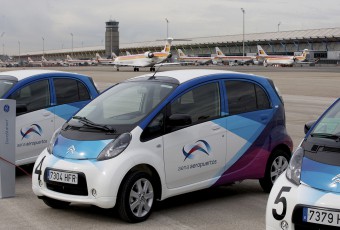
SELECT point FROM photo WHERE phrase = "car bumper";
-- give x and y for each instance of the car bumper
(292, 198)
(99, 186)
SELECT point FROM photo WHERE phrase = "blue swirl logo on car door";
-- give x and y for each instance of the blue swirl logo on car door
(34, 128)
(199, 146)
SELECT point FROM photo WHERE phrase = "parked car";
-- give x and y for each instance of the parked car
(164, 134)
(45, 100)
(307, 195)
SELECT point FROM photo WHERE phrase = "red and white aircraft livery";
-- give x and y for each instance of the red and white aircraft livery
(221, 58)
(195, 60)
(147, 59)
(282, 60)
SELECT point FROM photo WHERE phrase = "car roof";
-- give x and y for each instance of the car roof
(22, 74)
(186, 75)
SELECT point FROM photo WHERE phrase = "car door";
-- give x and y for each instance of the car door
(195, 152)
(250, 113)
(70, 95)
(34, 123)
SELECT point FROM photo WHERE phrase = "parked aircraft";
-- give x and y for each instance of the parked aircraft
(46, 62)
(34, 63)
(182, 58)
(105, 61)
(283, 60)
(220, 57)
(147, 59)
(69, 61)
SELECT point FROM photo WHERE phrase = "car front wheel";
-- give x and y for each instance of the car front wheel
(136, 197)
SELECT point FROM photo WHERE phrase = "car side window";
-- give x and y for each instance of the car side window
(201, 103)
(245, 97)
(154, 129)
(70, 90)
(33, 97)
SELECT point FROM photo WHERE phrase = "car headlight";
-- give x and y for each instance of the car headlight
(115, 147)
(53, 140)
(293, 172)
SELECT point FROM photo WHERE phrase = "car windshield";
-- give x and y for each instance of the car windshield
(5, 85)
(126, 103)
(329, 125)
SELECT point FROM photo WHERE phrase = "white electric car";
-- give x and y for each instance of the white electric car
(164, 134)
(307, 195)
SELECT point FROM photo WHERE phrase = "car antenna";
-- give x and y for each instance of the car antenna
(153, 76)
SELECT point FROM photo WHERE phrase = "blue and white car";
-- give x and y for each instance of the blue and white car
(307, 195)
(45, 100)
(165, 134)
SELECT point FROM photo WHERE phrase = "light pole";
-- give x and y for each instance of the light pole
(278, 27)
(43, 39)
(19, 52)
(72, 44)
(167, 28)
(243, 11)
(3, 45)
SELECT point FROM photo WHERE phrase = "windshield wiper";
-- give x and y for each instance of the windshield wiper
(327, 135)
(89, 123)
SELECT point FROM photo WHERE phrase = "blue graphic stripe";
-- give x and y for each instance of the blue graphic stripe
(326, 175)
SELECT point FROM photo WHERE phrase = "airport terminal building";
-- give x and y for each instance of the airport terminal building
(323, 44)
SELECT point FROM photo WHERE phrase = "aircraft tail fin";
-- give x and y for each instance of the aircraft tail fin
(29, 59)
(114, 55)
(43, 59)
(219, 52)
(98, 56)
(260, 51)
(181, 54)
(68, 57)
(167, 46)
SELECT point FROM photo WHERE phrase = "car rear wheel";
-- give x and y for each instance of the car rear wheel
(277, 164)
(136, 197)
(57, 204)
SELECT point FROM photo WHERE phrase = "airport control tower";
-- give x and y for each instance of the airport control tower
(111, 38)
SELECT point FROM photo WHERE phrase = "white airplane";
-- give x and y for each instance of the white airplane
(2, 64)
(182, 58)
(105, 61)
(147, 59)
(221, 58)
(34, 63)
(69, 61)
(46, 62)
(282, 60)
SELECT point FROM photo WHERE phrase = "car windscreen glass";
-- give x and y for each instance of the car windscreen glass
(5, 85)
(126, 103)
(329, 125)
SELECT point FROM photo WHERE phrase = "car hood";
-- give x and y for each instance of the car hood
(78, 150)
(320, 176)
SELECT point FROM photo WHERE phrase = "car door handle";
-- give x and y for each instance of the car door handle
(215, 127)
(46, 113)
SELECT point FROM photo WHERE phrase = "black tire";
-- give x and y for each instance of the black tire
(57, 204)
(277, 163)
(136, 197)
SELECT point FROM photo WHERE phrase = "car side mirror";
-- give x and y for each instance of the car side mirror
(308, 126)
(180, 120)
(21, 108)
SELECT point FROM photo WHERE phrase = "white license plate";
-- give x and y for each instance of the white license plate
(64, 177)
(319, 216)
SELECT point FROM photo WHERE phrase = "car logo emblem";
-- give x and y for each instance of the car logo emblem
(199, 146)
(336, 179)
(71, 149)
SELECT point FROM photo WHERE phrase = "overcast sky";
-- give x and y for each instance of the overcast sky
(28, 22)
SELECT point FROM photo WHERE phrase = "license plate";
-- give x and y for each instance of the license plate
(318, 216)
(64, 177)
